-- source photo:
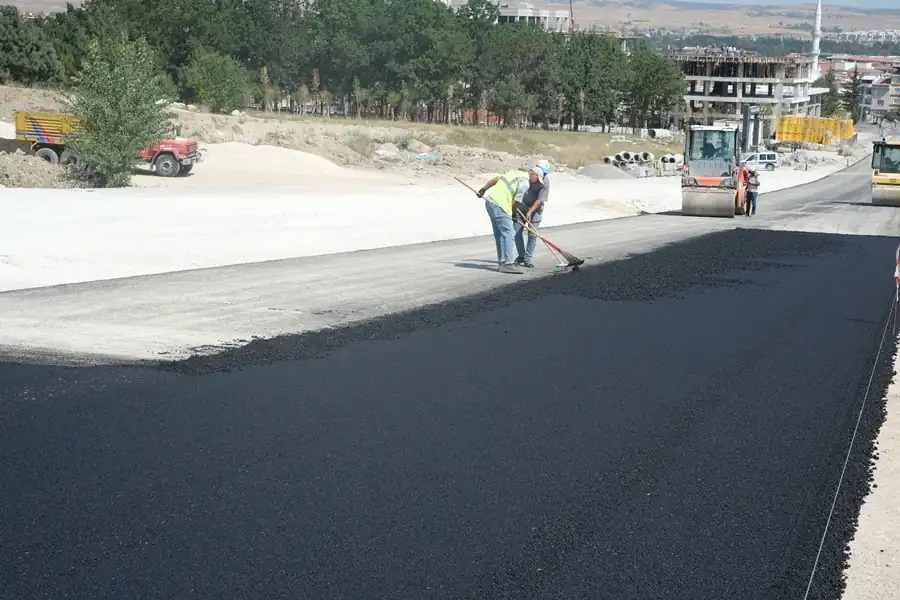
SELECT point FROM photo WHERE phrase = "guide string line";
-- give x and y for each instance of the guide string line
(887, 326)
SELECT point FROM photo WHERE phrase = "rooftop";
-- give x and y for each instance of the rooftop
(718, 53)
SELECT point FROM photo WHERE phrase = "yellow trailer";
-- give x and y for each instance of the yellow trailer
(886, 173)
(47, 133)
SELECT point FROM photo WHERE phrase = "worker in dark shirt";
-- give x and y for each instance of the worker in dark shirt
(532, 207)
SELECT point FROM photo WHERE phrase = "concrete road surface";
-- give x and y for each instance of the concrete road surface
(668, 426)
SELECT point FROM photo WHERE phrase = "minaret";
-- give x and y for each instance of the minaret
(817, 38)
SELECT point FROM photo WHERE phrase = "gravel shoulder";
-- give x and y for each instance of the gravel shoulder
(873, 571)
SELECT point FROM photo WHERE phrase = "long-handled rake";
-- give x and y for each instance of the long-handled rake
(567, 260)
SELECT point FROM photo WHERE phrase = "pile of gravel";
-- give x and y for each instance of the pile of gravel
(21, 170)
(603, 171)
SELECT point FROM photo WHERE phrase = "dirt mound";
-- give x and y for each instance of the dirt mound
(19, 170)
(266, 157)
(16, 98)
(604, 171)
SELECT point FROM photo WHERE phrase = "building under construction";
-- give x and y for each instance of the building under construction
(721, 80)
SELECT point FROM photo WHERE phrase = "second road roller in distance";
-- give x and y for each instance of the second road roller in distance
(886, 172)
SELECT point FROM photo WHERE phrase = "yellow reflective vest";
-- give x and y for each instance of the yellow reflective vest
(504, 191)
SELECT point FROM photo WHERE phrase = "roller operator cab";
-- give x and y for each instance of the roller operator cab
(711, 183)
(886, 173)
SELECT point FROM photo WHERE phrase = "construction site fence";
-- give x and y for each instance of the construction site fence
(814, 130)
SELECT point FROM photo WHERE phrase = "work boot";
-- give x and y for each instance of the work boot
(511, 269)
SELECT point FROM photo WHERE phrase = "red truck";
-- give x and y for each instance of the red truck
(47, 132)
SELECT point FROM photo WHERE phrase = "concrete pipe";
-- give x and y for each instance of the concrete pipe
(679, 159)
(668, 158)
(607, 160)
(659, 134)
(619, 157)
(646, 156)
(626, 155)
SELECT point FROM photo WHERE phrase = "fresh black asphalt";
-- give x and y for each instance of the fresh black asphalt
(669, 426)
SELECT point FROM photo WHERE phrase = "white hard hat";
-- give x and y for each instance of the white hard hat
(537, 170)
(545, 165)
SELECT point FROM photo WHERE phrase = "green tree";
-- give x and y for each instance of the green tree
(831, 100)
(654, 86)
(508, 97)
(853, 95)
(892, 117)
(219, 82)
(26, 54)
(71, 31)
(477, 18)
(116, 101)
(596, 69)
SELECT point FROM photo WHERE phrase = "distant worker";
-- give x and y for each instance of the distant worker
(501, 195)
(532, 207)
(752, 191)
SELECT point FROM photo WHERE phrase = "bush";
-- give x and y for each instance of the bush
(116, 100)
(219, 82)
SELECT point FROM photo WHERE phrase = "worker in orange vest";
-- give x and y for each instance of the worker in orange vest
(752, 191)
(742, 174)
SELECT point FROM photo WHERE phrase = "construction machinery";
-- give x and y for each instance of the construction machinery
(712, 182)
(886, 172)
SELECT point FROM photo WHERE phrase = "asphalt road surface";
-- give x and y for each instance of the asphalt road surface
(667, 426)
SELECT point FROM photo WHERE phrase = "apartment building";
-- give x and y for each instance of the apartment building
(551, 20)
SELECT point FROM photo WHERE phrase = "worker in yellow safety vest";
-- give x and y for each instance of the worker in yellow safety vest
(502, 194)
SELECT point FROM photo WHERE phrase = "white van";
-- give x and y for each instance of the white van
(765, 160)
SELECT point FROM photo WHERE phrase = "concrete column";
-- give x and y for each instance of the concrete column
(779, 89)
(707, 89)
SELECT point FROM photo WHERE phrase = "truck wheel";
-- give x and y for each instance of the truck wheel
(48, 154)
(185, 169)
(166, 165)
(770, 167)
(68, 158)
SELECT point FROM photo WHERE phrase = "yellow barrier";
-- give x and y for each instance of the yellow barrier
(813, 130)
